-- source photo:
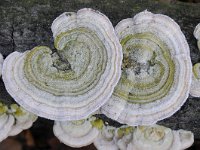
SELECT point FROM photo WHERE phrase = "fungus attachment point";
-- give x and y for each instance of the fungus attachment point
(75, 80)
(156, 70)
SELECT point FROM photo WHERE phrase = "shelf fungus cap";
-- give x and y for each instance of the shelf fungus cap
(156, 70)
(123, 136)
(75, 133)
(6, 122)
(152, 138)
(23, 119)
(105, 139)
(113, 138)
(75, 80)
(197, 34)
(184, 139)
(158, 137)
(195, 86)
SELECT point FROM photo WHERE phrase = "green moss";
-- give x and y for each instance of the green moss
(17, 110)
(124, 131)
(195, 70)
(3, 108)
(128, 130)
(98, 123)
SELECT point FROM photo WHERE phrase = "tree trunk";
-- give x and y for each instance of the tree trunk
(26, 23)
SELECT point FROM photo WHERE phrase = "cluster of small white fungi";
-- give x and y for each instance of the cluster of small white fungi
(92, 130)
(14, 119)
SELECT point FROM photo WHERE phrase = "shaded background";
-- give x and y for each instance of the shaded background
(26, 23)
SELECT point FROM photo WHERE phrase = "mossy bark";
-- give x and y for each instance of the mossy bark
(26, 23)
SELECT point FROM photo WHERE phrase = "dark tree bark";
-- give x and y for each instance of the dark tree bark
(26, 23)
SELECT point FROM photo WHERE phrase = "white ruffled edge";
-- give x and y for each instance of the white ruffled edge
(11, 126)
(117, 109)
(78, 140)
(68, 113)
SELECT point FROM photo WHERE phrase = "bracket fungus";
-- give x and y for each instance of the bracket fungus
(6, 122)
(105, 140)
(113, 138)
(72, 82)
(159, 137)
(14, 119)
(23, 119)
(76, 79)
(76, 133)
(195, 86)
(153, 137)
(197, 34)
(123, 136)
(156, 70)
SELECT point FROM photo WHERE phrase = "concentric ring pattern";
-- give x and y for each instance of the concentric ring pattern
(156, 70)
(77, 78)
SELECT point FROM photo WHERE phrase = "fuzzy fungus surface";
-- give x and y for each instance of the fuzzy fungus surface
(195, 86)
(156, 70)
(76, 79)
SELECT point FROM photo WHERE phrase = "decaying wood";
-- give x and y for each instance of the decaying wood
(25, 24)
